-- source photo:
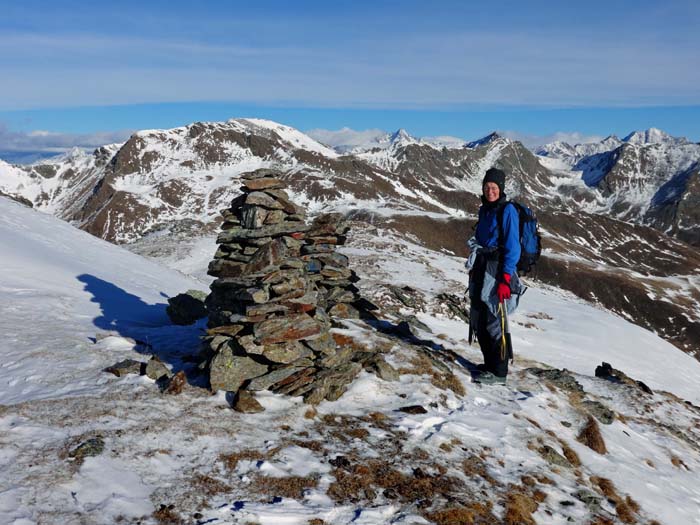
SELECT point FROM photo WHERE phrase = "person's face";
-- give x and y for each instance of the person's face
(491, 192)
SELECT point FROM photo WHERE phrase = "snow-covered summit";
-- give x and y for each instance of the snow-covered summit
(288, 134)
(347, 141)
(653, 136)
(570, 154)
(488, 139)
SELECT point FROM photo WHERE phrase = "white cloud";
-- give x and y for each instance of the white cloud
(345, 137)
(421, 70)
(533, 142)
(42, 141)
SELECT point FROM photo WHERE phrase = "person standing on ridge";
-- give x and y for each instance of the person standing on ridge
(494, 286)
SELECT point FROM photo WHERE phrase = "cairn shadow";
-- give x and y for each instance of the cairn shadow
(127, 315)
(402, 330)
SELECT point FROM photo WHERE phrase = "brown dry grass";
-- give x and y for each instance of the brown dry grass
(289, 487)
(316, 521)
(362, 481)
(377, 416)
(231, 460)
(528, 481)
(208, 486)
(421, 365)
(533, 422)
(539, 496)
(475, 466)
(470, 514)
(678, 463)
(570, 454)
(544, 479)
(358, 433)
(540, 315)
(316, 446)
(519, 508)
(625, 511)
(166, 515)
(632, 504)
(591, 437)
(601, 520)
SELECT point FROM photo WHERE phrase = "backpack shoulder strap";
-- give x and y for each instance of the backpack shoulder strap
(501, 211)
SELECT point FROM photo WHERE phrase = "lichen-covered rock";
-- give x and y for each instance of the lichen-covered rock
(272, 230)
(273, 377)
(127, 366)
(228, 372)
(187, 308)
(552, 456)
(286, 353)
(344, 311)
(323, 344)
(332, 383)
(383, 369)
(290, 328)
(156, 369)
(89, 448)
(263, 183)
(560, 378)
(599, 411)
(253, 216)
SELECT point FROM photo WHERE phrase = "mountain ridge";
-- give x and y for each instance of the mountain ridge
(178, 180)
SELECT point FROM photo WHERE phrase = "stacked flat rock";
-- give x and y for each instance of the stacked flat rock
(266, 327)
(329, 269)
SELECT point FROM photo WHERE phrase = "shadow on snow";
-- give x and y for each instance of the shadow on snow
(127, 315)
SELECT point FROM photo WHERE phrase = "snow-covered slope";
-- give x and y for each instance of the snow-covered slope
(81, 446)
(59, 288)
(572, 154)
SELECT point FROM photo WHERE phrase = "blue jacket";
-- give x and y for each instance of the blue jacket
(487, 234)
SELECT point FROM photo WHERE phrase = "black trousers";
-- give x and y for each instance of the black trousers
(489, 334)
(486, 325)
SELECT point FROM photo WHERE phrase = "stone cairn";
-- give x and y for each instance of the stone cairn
(328, 269)
(276, 276)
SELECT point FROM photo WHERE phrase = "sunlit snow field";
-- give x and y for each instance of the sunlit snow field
(71, 304)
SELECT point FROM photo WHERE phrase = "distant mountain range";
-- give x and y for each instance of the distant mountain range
(609, 210)
(648, 177)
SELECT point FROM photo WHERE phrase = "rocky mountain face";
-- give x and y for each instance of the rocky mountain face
(646, 178)
(605, 208)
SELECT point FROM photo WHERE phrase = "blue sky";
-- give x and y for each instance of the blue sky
(438, 68)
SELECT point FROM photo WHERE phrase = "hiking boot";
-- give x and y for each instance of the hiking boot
(487, 378)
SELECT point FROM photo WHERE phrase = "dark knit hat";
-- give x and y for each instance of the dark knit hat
(497, 176)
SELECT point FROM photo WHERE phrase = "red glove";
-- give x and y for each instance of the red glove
(503, 289)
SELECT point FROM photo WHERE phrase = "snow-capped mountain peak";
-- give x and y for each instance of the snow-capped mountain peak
(401, 137)
(491, 137)
(653, 136)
